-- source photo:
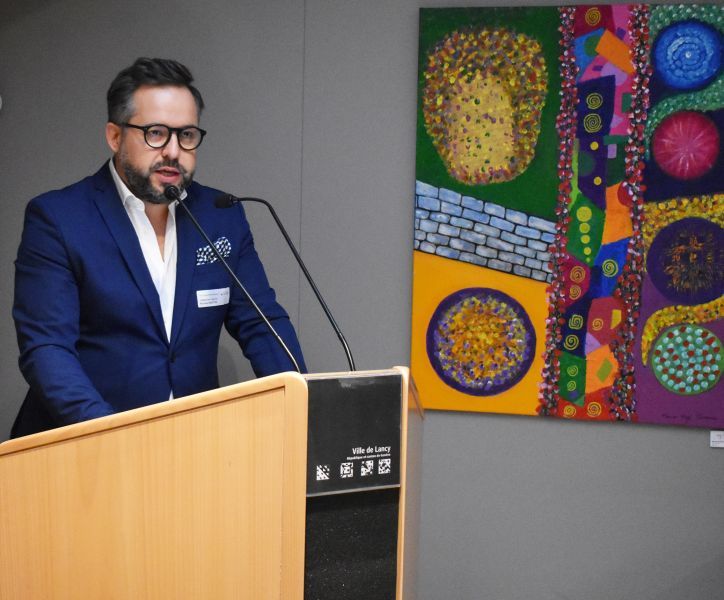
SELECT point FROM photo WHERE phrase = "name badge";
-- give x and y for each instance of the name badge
(207, 298)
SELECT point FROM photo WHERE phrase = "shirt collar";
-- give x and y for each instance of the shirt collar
(127, 197)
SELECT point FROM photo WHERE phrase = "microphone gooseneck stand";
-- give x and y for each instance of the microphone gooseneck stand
(173, 193)
(226, 200)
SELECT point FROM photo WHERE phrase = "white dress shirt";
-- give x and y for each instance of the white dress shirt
(161, 268)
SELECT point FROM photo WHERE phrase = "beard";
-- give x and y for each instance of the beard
(139, 182)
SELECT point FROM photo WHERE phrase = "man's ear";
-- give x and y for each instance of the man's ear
(113, 136)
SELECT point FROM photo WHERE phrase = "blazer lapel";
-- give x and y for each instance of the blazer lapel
(115, 217)
(185, 264)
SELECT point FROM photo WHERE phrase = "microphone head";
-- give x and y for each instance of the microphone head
(172, 193)
(224, 201)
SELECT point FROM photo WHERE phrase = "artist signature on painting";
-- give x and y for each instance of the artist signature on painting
(687, 418)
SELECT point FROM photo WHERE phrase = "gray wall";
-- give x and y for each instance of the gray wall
(311, 104)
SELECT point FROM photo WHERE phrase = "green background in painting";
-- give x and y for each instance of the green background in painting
(535, 191)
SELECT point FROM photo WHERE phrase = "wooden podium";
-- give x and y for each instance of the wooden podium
(218, 495)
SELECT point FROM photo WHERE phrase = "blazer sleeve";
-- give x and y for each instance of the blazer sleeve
(46, 313)
(257, 343)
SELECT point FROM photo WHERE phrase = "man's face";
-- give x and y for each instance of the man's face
(148, 171)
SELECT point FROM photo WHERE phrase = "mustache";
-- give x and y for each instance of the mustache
(173, 164)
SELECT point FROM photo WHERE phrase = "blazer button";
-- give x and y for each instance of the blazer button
(172, 357)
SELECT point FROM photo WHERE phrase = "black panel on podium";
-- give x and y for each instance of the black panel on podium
(353, 486)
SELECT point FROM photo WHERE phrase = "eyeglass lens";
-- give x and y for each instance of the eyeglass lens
(159, 135)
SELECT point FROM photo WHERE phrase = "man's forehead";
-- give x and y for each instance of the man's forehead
(167, 99)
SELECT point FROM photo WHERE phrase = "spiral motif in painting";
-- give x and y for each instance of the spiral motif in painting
(592, 16)
(592, 123)
(609, 267)
(571, 342)
(575, 322)
(569, 411)
(594, 101)
(578, 274)
(594, 410)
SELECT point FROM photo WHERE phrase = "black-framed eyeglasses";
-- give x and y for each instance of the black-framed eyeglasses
(158, 135)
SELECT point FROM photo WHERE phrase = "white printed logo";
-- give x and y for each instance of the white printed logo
(346, 470)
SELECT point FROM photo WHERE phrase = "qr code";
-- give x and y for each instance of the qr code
(322, 472)
(384, 466)
(346, 470)
(367, 468)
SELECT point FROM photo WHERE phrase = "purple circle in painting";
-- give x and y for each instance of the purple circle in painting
(686, 260)
(480, 341)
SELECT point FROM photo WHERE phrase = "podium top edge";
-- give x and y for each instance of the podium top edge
(134, 416)
(350, 374)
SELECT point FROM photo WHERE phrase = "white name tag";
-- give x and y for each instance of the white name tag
(207, 298)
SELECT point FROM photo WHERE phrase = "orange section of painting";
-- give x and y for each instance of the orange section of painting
(436, 278)
(601, 369)
(616, 51)
(618, 217)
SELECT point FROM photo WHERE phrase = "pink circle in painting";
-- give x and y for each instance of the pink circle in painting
(686, 145)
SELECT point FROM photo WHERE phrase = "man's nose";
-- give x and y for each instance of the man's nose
(172, 148)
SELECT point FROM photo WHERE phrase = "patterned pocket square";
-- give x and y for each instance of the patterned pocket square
(206, 255)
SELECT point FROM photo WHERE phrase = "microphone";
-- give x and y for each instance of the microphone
(173, 193)
(227, 200)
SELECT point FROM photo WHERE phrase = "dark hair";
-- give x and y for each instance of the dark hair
(146, 71)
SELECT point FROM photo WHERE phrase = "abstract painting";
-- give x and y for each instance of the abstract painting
(569, 242)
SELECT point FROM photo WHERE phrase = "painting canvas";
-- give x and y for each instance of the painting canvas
(568, 249)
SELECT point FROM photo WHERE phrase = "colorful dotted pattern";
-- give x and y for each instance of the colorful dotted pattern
(480, 341)
(483, 115)
(605, 74)
(687, 359)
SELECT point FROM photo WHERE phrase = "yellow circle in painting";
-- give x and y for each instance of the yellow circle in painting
(585, 239)
(584, 228)
(587, 251)
(584, 213)
(597, 180)
(594, 146)
(569, 411)
(594, 409)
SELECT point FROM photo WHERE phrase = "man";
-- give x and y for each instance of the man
(119, 301)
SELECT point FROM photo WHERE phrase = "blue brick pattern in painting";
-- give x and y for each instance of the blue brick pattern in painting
(464, 228)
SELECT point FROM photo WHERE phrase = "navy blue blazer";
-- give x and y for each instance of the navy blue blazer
(88, 317)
